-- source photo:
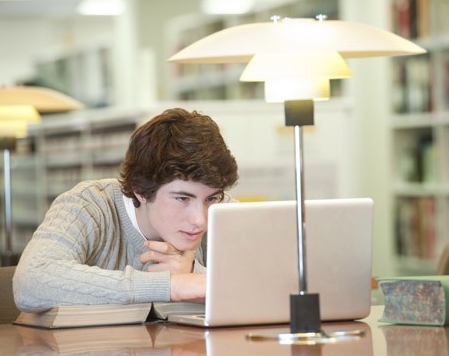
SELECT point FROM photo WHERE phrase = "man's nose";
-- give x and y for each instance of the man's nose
(198, 215)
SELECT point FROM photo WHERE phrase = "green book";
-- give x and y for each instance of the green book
(421, 300)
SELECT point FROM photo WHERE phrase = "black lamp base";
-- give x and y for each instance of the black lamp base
(305, 313)
(305, 326)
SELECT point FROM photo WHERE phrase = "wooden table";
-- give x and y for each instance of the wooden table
(175, 340)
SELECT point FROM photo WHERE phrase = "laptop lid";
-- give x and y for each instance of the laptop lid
(253, 266)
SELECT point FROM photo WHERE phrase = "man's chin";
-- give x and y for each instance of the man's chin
(187, 246)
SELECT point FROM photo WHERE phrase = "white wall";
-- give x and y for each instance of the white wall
(18, 48)
(23, 41)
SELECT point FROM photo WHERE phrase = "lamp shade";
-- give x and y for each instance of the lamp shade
(350, 39)
(286, 65)
(14, 119)
(44, 100)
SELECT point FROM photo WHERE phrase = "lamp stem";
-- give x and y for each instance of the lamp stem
(300, 218)
(8, 213)
(8, 257)
(304, 307)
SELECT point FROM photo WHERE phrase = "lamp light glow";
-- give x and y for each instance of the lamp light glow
(278, 91)
(14, 119)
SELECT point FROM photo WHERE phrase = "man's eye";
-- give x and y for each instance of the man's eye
(215, 199)
(182, 199)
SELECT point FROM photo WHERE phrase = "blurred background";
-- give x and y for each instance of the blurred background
(382, 135)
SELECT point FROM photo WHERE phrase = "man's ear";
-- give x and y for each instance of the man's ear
(140, 198)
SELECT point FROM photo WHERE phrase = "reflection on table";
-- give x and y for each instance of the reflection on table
(175, 340)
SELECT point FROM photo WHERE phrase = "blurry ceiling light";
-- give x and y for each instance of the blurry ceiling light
(101, 7)
(227, 6)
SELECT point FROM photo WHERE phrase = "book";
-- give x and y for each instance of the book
(70, 316)
(421, 300)
(110, 340)
(405, 18)
(161, 310)
(416, 227)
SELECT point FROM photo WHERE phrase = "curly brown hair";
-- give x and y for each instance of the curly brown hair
(176, 144)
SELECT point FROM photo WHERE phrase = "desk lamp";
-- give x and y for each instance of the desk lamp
(20, 106)
(299, 56)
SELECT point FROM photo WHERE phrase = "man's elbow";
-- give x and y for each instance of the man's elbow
(29, 295)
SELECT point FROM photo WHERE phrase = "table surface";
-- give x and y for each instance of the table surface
(175, 340)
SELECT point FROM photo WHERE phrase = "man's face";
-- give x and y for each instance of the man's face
(178, 214)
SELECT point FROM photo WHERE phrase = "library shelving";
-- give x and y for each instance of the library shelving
(420, 135)
(58, 153)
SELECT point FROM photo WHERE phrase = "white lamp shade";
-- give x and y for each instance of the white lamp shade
(350, 39)
(14, 119)
(278, 91)
(288, 65)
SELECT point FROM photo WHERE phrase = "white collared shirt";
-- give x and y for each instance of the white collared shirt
(131, 210)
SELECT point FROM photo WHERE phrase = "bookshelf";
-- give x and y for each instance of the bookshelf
(58, 153)
(420, 129)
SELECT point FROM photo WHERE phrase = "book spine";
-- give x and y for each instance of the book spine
(416, 228)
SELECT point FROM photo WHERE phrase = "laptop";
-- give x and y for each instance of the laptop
(252, 262)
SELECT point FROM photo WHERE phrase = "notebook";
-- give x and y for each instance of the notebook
(252, 262)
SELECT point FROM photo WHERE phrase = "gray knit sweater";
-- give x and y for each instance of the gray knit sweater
(86, 251)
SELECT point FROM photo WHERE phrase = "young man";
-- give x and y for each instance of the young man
(136, 239)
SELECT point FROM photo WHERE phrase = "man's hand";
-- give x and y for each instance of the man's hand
(188, 288)
(166, 257)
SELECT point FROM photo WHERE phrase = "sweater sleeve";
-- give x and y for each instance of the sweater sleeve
(80, 255)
